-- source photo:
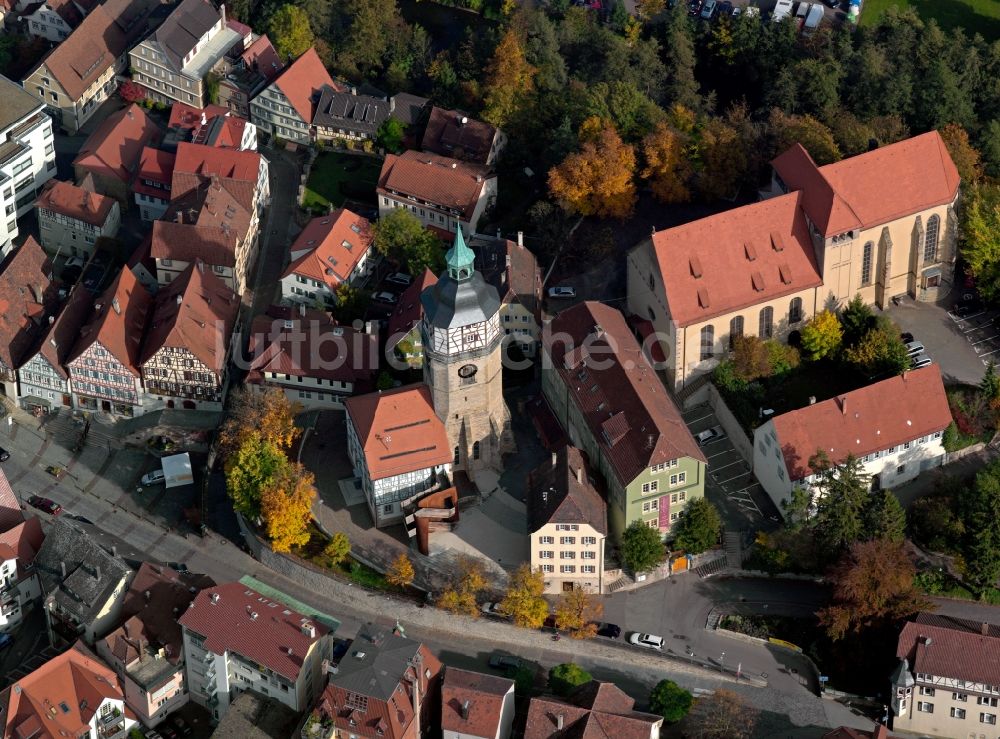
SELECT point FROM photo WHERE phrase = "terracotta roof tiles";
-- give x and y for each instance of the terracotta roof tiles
(453, 133)
(409, 310)
(472, 703)
(955, 651)
(330, 247)
(560, 492)
(302, 81)
(115, 147)
(445, 182)
(67, 199)
(27, 298)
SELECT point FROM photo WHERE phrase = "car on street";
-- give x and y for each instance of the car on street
(920, 360)
(168, 731)
(179, 566)
(385, 297)
(153, 478)
(493, 609)
(4, 454)
(504, 662)
(562, 292)
(649, 641)
(709, 435)
(47, 505)
(708, 9)
(913, 348)
(399, 278)
(609, 631)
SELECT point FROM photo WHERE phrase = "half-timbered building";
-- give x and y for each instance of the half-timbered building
(188, 343)
(104, 364)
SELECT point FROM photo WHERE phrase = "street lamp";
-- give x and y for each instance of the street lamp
(721, 660)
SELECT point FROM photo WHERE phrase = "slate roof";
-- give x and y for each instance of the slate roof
(872, 418)
(234, 618)
(399, 430)
(116, 146)
(559, 491)
(453, 133)
(873, 188)
(75, 202)
(595, 710)
(408, 109)
(471, 702)
(18, 103)
(634, 421)
(27, 298)
(330, 247)
(958, 650)
(445, 182)
(182, 29)
(350, 111)
(511, 269)
(91, 573)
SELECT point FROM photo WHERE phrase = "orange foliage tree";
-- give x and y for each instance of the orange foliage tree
(510, 80)
(286, 507)
(668, 167)
(269, 414)
(598, 180)
(578, 612)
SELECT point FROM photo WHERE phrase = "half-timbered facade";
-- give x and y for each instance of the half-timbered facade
(187, 347)
(104, 364)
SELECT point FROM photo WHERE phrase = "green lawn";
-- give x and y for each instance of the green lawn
(975, 16)
(336, 177)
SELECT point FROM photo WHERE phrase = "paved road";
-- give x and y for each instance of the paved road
(284, 174)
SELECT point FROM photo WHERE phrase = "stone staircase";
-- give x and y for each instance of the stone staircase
(711, 568)
(618, 584)
(733, 543)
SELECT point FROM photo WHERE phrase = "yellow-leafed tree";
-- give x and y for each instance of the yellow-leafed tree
(523, 601)
(510, 80)
(597, 180)
(668, 168)
(400, 572)
(286, 507)
(578, 612)
(269, 414)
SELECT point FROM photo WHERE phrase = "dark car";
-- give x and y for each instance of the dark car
(725, 8)
(179, 566)
(181, 725)
(168, 731)
(45, 504)
(504, 662)
(610, 631)
(906, 336)
(4, 454)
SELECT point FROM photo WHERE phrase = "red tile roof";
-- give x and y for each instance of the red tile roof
(735, 259)
(186, 242)
(10, 509)
(312, 345)
(63, 332)
(482, 694)
(302, 81)
(117, 322)
(409, 310)
(595, 710)
(233, 618)
(560, 491)
(75, 202)
(27, 298)
(846, 732)
(155, 165)
(115, 147)
(873, 188)
(24, 539)
(196, 312)
(198, 159)
(626, 406)
(262, 57)
(330, 247)
(453, 133)
(872, 418)
(445, 182)
(956, 652)
(399, 431)
(189, 118)
(60, 698)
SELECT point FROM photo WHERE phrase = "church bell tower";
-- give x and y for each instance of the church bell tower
(462, 366)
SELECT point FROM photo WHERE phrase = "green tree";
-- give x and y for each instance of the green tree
(883, 517)
(641, 547)
(351, 303)
(989, 386)
(857, 319)
(401, 236)
(796, 508)
(679, 59)
(723, 158)
(814, 136)
(524, 601)
(822, 336)
(384, 381)
(989, 145)
(698, 527)
(936, 525)
(981, 229)
(751, 358)
(254, 466)
(567, 677)
(880, 352)
(670, 700)
(842, 495)
(979, 508)
(390, 135)
(290, 32)
(338, 549)
(372, 26)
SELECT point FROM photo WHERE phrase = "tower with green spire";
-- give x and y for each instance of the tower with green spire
(461, 338)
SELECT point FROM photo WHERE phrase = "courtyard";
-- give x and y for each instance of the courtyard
(338, 178)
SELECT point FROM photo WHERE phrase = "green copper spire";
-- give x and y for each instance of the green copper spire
(460, 258)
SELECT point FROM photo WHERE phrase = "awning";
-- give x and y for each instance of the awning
(32, 401)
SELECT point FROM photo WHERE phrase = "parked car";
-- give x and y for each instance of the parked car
(46, 505)
(709, 435)
(737, 11)
(906, 336)
(913, 348)
(168, 731)
(385, 297)
(725, 7)
(708, 9)
(179, 566)
(649, 641)
(609, 631)
(493, 609)
(399, 278)
(782, 10)
(181, 725)
(504, 662)
(920, 360)
(4, 454)
(153, 478)
(565, 291)
(966, 309)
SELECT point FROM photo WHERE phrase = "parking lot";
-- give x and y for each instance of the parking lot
(961, 343)
(730, 483)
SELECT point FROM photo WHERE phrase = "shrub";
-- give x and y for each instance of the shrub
(567, 677)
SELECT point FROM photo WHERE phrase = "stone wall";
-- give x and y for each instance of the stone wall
(741, 442)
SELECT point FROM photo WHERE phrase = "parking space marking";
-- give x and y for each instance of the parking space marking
(719, 469)
(730, 479)
(986, 354)
(719, 454)
(981, 325)
(959, 319)
(982, 340)
(696, 420)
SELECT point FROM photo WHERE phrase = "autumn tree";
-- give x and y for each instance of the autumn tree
(723, 160)
(598, 179)
(401, 236)
(668, 168)
(872, 586)
(815, 136)
(509, 80)
(822, 336)
(723, 715)
(286, 506)
(577, 612)
(457, 601)
(251, 470)
(670, 700)
(524, 601)
(338, 549)
(400, 573)
(641, 547)
(963, 153)
(981, 229)
(698, 527)
(881, 351)
(461, 596)
(751, 359)
(646, 10)
(290, 32)
(131, 92)
(567, 677)
(268, 414)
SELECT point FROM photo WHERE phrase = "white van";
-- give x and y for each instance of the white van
(782, 10)
(815, 17)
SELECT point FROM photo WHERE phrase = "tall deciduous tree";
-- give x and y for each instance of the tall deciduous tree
(577, 612)
(509, 80)
(670, 700)
(567, 677)
(724, 160)
(668, 168)
(372, 25)
(698, 527)
(724, 715)
(269, 414)
(816, 137)
(981, 227)
(338, 549)
(524, 601)
(641, 547)
(872, 585)
(401, 236)
(286, 507)
(390, 135)
(963, 153)
(881, 351)
(289, 31)
(400, 573)
(822, 336)
(250, 470)
(598, 179)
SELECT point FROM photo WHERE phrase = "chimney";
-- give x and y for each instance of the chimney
(52, 319)
(843, 404)
(114, 550)
(454, 165)
(812, 400)
(97, 573)
(178, 217)
(465, 710)
(559, 721)
(309, 630)
(215, 597)
(985, 629)
(147, 594)
(520, 238)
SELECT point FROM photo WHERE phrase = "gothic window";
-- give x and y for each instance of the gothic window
(766, 323)
(931, 239)
(475, 450)
(735, 329)
(795, 310)
(707, 341)
(866, 263)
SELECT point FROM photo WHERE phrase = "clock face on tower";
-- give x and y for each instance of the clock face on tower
(467, 370)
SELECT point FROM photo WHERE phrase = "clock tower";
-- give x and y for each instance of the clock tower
(461, 339)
